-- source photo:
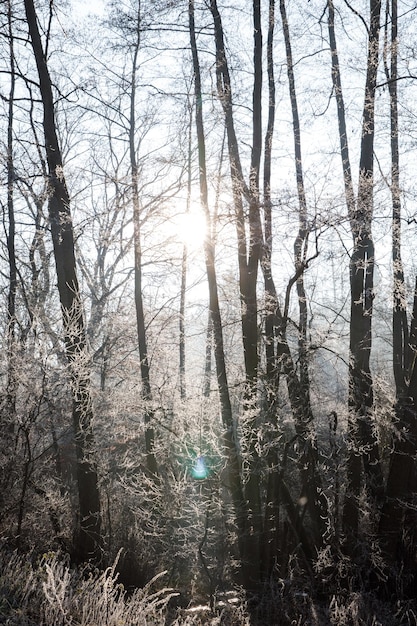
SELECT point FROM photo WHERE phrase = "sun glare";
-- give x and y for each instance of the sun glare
(190, 228)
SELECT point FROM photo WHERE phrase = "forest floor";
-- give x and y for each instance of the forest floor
(48, 592)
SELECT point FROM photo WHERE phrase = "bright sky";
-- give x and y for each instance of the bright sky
(92, 7)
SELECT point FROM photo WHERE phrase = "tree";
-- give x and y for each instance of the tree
(251, 251)
(10, 402)
(229, 441)
(313, 384)
(401, 476)
(89, 539)
(8, 409)
(363, 447)
(311, 481)
(140, 317)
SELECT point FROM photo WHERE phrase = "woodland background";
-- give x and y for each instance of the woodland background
(208, 312)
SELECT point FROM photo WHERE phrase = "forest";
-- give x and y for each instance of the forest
(208, 312)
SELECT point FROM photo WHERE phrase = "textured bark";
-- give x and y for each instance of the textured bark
(363, 451)
(89, 536)
(140, 314)
(401, 480)
(9, 406)
(184, 261)
(266, 258)
(229, 437)
(299, 384)
(249, 250)
(301, 241)
(271, 528)
(362, 431)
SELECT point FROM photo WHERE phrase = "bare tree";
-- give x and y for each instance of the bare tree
(363, 447)
(401, 480)
(140, 315)
(9, 408)
(229, 441)
(312, 486)
(89, 537)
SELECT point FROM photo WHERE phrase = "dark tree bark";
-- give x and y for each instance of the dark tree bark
(249, 255)
(362, 445)
(301, 241)
(316, 505)
(279, 361)
(184, 261)
(361, 429)
(267, 248)
(248, 274)
(140, 314)
(9, 406)
(401, 480)
(89, 537)
(271, 530)
(229, 440)
(213, 236)
(249, 247)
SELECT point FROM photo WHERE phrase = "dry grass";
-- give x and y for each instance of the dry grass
(48, 592)
(51, 593)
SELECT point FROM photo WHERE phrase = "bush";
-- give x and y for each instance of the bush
(51, 593)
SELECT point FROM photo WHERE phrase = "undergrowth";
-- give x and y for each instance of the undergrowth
(47, 591)
(51, 593)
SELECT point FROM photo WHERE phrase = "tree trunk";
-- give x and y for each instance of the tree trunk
(140, 315)
(249, 252)
(9, 405)
(89, 538)
(401, 479)
(299, 385)
(184, 262)
(229, 437)
(271, 526)
(301, 241)
(362, 439)
(361, 429)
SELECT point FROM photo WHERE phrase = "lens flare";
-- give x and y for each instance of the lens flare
(199, 470)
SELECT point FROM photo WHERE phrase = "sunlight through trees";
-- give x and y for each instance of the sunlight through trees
(208, 306)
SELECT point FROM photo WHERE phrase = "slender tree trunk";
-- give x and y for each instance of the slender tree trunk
(267, 248)
(248, 254)
(183, 289)
(249, 251)
(363, 438)
(401, 476)
(362, 444)
(301, 241)
(89, 539)
(280, 361)
(208, 358)
(213, 236)
(184, 262)
(300, 385)
(271, 533)
(229, 437)
(401, 352)
(248, 290)
(140, 314)
(341, 116)
(10, 399)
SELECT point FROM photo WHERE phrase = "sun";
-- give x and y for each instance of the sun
(190, 227)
